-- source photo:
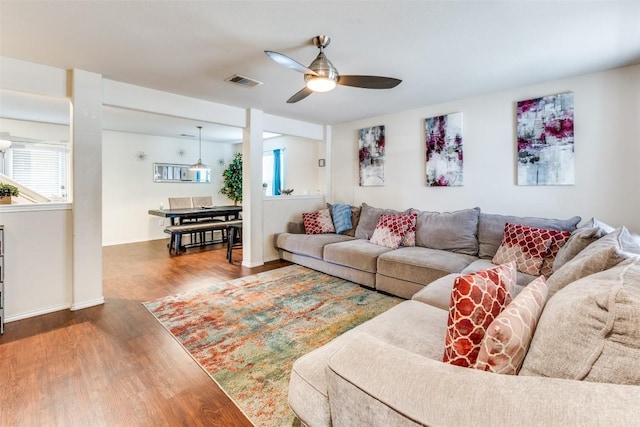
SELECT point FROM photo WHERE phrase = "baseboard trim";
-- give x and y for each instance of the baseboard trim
(87, 304)
(35, 313)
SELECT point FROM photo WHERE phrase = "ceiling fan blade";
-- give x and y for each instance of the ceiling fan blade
(300, 95)
(284, 60)
(369, 82)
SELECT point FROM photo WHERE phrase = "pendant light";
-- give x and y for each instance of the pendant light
(199, 166)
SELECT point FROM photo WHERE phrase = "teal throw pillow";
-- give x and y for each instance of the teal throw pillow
(342, 218)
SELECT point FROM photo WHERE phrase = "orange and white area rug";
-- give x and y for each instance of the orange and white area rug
(246, 333)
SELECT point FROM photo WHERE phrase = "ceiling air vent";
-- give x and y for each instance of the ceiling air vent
(243, 81)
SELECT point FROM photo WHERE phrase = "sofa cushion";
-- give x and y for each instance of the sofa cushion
(522, 279)
(600, 255)
(308, 244)
(357, 253)
(590, 330)
(318, 222)
(476, 299)
(421, 265)
(507, 338)
(308, 396)
(391, 229)
(579, 239)
(452, 231)
(524, 245)
(595, 222)
(369, 217)
(438, 292)
(491, 229)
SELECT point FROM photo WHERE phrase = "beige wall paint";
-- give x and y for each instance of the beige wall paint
(128, 188)
(607, 148)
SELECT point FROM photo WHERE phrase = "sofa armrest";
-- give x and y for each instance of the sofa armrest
(295, 227)
(392, 386)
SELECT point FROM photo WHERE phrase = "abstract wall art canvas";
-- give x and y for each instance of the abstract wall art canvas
(545, 140)
(443, 139)
(371, 145)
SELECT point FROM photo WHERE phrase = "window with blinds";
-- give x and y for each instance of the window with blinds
(42, 169)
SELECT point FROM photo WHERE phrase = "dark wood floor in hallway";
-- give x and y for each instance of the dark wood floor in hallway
(114, 364)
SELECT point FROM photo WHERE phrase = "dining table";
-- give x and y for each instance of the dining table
(178, 216)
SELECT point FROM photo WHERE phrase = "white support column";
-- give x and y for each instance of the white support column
(86, 133)
(328, 164)
(252, 199)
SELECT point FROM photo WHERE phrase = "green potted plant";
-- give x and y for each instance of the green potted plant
(232, 185)
(6, 191)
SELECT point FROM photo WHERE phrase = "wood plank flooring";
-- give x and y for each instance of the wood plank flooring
(115, 365)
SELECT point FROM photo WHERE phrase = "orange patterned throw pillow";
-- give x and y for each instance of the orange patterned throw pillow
(318, 222)
(526, 246)
(476, 300)
(392, 228)
(507, 339)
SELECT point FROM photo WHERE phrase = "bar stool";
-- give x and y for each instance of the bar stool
(234, 240)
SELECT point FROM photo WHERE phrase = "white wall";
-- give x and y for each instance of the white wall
(38, 267)
(51, 286)
(278, 211)
(300, 163)
(36, 130)
(607, 149)
(128, 190)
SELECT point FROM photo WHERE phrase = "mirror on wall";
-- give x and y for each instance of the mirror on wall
(177, 172)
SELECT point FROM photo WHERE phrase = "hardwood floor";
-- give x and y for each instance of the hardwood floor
(114, 364)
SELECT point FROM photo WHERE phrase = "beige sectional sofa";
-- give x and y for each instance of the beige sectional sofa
(446, 242)
(582, 368)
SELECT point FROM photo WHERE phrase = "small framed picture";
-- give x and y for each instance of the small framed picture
(321, 163)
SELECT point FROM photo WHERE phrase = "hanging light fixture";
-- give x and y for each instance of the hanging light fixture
(199, 166)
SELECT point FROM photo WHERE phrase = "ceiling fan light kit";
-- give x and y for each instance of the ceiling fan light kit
(322, 76)
(199, 166)
(320, 84)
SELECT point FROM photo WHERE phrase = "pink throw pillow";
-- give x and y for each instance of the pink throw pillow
(526, 246)
(507, 338)
(391, 229)
(558, 239)
(318, 222)
(476, 300)
(409, 239)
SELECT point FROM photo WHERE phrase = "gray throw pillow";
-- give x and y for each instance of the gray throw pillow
(369, 217)
(580, 239)
(600, 255)
(590, 330)
(452, 231)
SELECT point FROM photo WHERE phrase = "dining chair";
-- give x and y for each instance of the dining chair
(234, 240)
(183, 203)
(202, 201)
(206, 201)
(180, 202)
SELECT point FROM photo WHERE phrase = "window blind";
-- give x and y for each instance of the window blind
(42, 169)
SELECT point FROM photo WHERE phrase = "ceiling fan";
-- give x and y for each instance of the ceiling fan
(322, 76)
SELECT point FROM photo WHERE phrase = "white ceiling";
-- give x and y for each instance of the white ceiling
(442, 50)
